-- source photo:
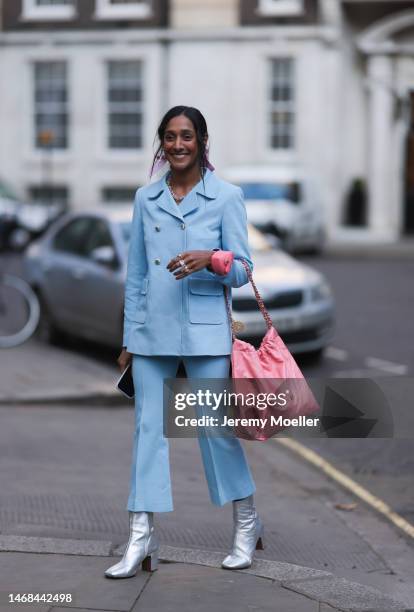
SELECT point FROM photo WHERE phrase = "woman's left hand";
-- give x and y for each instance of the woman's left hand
(189, 262)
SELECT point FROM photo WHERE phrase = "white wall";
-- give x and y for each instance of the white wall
(87, 164)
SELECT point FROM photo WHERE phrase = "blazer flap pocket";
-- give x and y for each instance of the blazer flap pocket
(205, 287)
(144, 287)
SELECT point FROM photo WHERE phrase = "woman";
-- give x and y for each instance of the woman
(175, 311)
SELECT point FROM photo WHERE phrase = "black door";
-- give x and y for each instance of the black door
(409, 174)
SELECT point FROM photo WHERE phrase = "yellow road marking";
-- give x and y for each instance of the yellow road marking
(375, 502)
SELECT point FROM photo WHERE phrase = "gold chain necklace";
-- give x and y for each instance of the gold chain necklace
(177, 198)
(174, 195)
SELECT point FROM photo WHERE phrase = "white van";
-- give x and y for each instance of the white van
(282, 201)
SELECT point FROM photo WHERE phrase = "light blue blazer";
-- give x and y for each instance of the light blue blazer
(165, 316)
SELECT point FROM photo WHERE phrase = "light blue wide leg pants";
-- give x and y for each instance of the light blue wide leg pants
(225, 466)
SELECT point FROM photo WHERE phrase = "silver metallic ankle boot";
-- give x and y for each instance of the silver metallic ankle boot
(142, 547)
(247, 534)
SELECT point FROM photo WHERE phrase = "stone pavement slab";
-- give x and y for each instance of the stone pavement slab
(346, 595)
(83, 577)
(54, 545)
(264, 568)
(81, 610)
(204, 589)
(36, 372)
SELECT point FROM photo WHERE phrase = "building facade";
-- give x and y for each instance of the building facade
(325, 84)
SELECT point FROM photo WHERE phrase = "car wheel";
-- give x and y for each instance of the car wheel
(47, 331)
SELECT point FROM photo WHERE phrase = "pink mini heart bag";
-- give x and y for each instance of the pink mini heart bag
(222, 261)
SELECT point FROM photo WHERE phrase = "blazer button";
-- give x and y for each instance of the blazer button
(182, 226)
(157, 228)
(157, 261)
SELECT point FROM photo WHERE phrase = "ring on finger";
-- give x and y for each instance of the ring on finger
(182, 263)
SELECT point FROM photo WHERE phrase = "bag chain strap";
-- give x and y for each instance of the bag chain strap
(262, 307)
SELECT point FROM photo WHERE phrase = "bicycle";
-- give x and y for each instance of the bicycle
(17, 301)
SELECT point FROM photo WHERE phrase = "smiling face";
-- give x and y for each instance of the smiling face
(180, 144)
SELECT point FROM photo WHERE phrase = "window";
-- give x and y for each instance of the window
(48, 9)
(118, 195)
(282, 104)
(50, 195)
(99, 236)
(53, 2)
(132, 2)
(50, 105)
(289, 192)
(123, 9)
(124, 105)
(72, 237)
(280, 8)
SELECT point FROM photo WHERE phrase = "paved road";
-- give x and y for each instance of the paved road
(373, 339)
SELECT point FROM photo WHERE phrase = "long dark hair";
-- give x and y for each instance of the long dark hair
(200, 127)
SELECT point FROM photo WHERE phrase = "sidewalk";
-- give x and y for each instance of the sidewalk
(65, 467)
(186, 580)
(39, 373)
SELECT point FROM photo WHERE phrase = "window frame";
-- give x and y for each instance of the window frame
(109, 111)
(280, 8)
(107, 189)
(273, 105)
(65, 105)
(64, 227)
(36, 198)
(33, 12)
(95, 222)
(105, 10)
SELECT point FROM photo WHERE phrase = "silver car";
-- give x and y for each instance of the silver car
(78, 269)
(283, 201)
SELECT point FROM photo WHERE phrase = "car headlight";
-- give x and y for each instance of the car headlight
(321, 291)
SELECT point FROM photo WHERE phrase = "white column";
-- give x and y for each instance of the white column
(331, 125)
(331, 12)
(380, 179)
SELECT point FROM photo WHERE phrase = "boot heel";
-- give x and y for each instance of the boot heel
(259, 544)
(150, 563)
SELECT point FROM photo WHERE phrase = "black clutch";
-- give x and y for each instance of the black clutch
(126, 383)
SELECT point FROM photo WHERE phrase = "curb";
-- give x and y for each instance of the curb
(317, 585)
(374, 251)
(91, 399)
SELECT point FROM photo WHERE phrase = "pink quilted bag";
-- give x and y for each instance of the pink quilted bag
(270, 369)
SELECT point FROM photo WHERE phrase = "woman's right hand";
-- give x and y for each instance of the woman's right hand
(124, 359)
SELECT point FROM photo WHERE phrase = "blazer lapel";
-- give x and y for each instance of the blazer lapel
(159, 193)
(207, 188)
(189, 203)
